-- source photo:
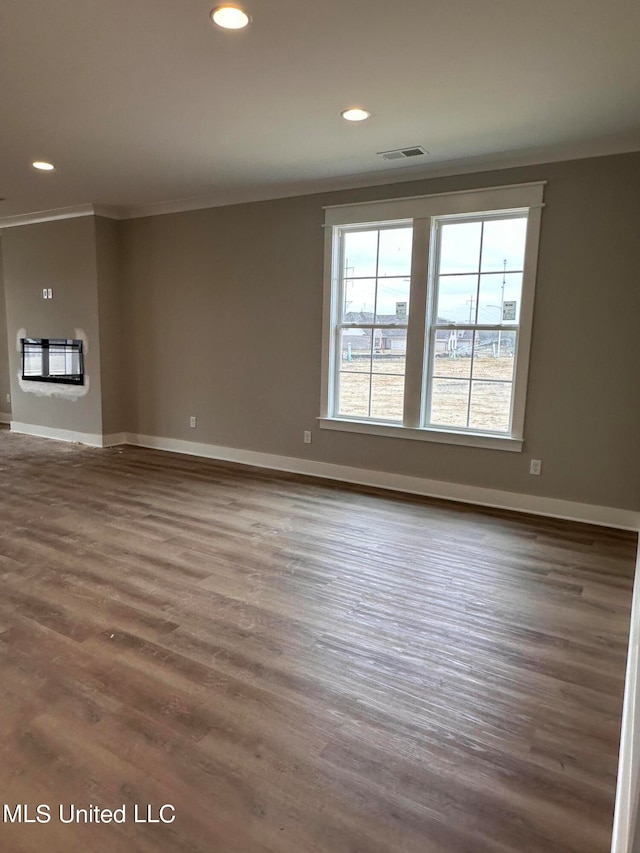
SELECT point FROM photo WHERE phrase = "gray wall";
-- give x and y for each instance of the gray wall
(113, 364)
(225, 308)
(5, 387)
(217, 313)
(60, 255)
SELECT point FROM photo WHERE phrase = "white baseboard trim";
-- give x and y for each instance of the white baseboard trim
(114, 439)
(554, 508)
(477, 495)
(625, 820)
(93, 440)
(5, 418)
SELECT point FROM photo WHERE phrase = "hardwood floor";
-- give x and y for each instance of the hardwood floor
(296, 667)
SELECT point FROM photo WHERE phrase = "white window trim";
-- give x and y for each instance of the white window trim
(422, 209)
(443, 436)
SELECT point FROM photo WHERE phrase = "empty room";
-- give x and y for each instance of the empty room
(319, 423)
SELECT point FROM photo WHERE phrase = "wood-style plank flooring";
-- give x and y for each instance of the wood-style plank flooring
(297, 667)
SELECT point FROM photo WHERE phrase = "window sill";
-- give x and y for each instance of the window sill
(488, 441)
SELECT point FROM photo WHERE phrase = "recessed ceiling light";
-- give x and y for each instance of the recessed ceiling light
(43, 166)
(230, 17)
(355, 114)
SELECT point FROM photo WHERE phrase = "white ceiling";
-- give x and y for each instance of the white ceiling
(143, 102)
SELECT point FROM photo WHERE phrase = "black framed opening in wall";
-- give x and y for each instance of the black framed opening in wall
(52, 360)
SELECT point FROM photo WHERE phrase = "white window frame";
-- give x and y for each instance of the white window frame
(424, 212)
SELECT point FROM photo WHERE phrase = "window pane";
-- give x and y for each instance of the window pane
(457, 299)
(359, 300)
(389, 363)
(460, 247)
(503, 240)
(392, 303)
(499, 298)
(32, 362)
(387, 397)
(354, 394)
(57, 361)
(449, 402)
(494, 355)
(355, 350)
(360, 253)
(395, 252)
(490, 406)
(389, 350)
(453, 354)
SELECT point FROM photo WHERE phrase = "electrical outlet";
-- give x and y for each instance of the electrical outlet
(535, 467)
(307, 436)
(44, 293)
(193, 422)
(8, 398)
(49, 293)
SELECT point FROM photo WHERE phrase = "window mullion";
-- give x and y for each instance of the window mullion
(45, 357)
(416, 328)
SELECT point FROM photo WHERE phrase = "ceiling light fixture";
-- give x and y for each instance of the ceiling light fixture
(355, 114)
(43, 166)
(230, 17)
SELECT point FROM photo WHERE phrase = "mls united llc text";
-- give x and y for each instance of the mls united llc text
(43, 813)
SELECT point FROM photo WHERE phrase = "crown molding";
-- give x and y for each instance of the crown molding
(391, 176)
(60, 213)
(109, 211)
(395, 175)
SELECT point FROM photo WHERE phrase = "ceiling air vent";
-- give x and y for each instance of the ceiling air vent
(403, 153)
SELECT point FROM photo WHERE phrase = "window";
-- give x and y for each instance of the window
(428, 315)
(52, 360)
(373, 321)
